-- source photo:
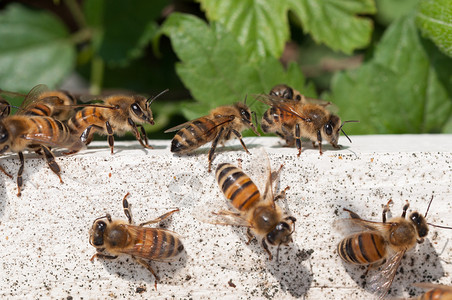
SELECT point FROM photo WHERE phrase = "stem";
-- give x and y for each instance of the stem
(76, 12)
(97, 74)
(81, 36)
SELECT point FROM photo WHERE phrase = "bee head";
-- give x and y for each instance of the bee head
(420, 223)
(97, 233)
(282, 233)
(331, 130)
(282, 91)
(140, 110)
(245, 115)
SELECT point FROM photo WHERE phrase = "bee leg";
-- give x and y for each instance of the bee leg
(250, 236)
(125, 205)
(103, 256)
(147, 266)
(319, 140)
(159, 219)
(281, 195)
(212, 148)
(405, 208)
(137, 133)
(146, 141)
(6, 173)
(298, 138)
(111, 139)
(50, 158)
(19, 174)
(385, 210)
(239, 136)
(86, 137)
(352, 214)
(264, 244)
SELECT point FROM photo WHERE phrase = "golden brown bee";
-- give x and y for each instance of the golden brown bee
(219, 126)
(118, 115)
(41, 101)
(292, 119)
(436, 292)
(122, 237)
(259, 213)
(19, 133)
(383, 244)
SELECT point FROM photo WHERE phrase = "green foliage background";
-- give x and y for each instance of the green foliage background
(386, 63)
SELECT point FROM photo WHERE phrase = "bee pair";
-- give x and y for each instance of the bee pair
(291, 116)
(48, 119)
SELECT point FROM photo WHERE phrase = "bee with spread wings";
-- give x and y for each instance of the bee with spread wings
(300, 117)
(382, 244)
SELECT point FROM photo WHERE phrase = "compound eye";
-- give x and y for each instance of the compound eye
(3, 136)
(288, 93)
(101, 226)
(136, 109)
(328, 129)
(245, 114)
(415, 218)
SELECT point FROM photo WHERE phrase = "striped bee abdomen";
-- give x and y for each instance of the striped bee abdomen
(362, 248)
(86, 117)
(153, 243)
(196, 134)
(437, 294)
(237, 186)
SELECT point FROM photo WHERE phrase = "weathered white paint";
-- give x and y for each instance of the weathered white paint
(44, 234)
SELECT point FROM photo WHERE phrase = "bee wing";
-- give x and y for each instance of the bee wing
(33, 97)
(222, 217)
(179, 127)
(146, 248)
(287, 105)
(380, 283)
(49, 140)
(356, 224)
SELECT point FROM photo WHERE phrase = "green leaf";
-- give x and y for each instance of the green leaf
(215, 67)
(122, 28)
(336, 22)
(35, 48)
(434, 18)
(261, 26)
(400, 90)
(389, 10)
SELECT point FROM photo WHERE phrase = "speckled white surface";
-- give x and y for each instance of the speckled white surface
(44, 234)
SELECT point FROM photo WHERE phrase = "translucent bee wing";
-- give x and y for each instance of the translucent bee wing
(220, 217)
(380, 283)
(49, 140)
(327, 104)
(32, 97)
(179, 127)
(287, 105)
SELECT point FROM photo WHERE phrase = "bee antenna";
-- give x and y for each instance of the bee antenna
(152, 98)
(244, 100)
(346, 135)
(277, 252)
(255, 117)
(439, 226)
(430, 203)
(343, 123)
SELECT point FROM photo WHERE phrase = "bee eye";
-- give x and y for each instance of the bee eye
(136, 109)
(245, 114)
(3, 136)
(328, 129)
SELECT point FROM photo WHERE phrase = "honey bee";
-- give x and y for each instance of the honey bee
(36, 133)
(259, 213)
(383, 244)
(436, 292)
(118, 115)
(216, 127)
(292, 119)
(122, 237)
